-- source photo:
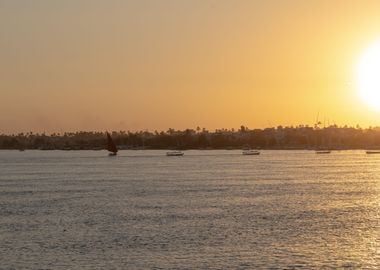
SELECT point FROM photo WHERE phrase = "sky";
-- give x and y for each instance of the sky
(152, 65)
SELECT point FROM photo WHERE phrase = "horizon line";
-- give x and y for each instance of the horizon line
(314, 126)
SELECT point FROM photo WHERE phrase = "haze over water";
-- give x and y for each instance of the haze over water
(209, 209)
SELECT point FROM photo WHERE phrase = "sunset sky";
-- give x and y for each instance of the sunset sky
(135, 65)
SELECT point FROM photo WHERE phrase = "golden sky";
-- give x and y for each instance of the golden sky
(131, 65)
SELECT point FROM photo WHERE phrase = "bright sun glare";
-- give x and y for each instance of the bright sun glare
(368, 76)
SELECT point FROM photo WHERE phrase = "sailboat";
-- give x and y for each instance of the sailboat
(111, 146)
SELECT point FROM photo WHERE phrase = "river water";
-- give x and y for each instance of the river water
(205, 210)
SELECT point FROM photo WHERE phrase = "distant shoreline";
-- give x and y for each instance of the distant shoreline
(280, 138)
(198, 149)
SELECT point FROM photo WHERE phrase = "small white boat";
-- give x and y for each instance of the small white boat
(372, 152)
(323, 152)
(250, 152)
(175, 153)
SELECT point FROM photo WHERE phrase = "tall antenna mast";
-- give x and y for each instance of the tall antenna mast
(317, 120)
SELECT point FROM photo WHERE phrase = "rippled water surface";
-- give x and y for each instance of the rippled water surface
(205, 210)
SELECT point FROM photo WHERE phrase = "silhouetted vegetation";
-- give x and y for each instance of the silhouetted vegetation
(300, 137)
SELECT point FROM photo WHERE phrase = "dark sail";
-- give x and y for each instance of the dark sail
(111, 146)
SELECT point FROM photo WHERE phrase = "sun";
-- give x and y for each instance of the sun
(368, 76)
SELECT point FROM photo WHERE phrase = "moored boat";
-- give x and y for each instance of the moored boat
(323, 152)
(250, 152)
(175, 153)
(369, 152)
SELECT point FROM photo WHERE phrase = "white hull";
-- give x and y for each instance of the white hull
(174, 154)
(250, 152)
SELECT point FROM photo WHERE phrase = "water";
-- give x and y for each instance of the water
(205, 210)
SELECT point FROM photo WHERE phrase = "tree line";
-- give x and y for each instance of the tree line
(299, 137)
